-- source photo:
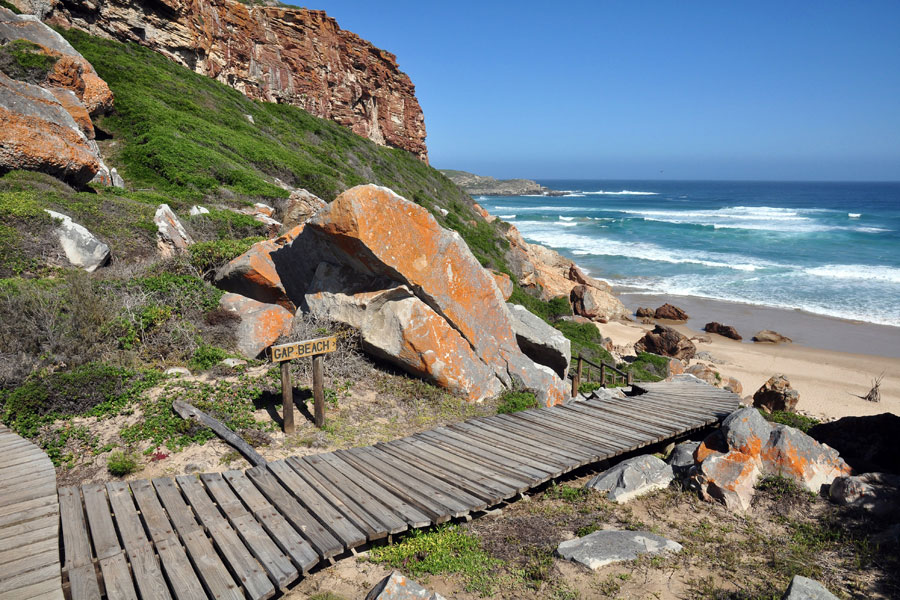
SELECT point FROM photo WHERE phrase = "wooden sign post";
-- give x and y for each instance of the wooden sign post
(287, 352)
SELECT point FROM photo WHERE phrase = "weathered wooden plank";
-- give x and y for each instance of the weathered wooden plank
(529, 466)
(323, 541)
(77, 546)
(360, 517)
(389, 499)
(103, 532)
(437, 452)
(570, 438)
(147, 573)
(27, 564)
(333, 518)
(519, 443)
(45, 487)
(578, 417)
(48, 589)
(13, 584)
(28, 505)
(502, 425)
(179, 572)
(248, 571)
(50, 531)
(639, 412)
(127, 519)
(412, 493)
(30, 510)
(28, 548)
(83, 583)
(117, 578)
(578, 429)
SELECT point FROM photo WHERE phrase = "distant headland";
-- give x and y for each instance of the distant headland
(488, 186)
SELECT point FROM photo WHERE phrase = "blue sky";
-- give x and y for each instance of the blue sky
(672, 90)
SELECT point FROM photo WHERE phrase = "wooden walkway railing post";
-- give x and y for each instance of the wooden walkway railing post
(576, 379)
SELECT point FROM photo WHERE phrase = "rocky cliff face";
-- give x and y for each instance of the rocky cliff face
(277, 54)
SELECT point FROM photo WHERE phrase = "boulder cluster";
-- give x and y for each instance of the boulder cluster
(379, 263)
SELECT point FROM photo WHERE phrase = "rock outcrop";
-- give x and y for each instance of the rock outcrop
(171, 236)
(632, 478)
(776, 394)
(397, 586)
(723, 330)
(746, 447)
(670, 312)
(400, 255)
(605, 547)
(81, 247)
(875, 492)
(297, 208)
(272, 53)
(665, 341)
(46, 122)
(539, 341)
(767, 336)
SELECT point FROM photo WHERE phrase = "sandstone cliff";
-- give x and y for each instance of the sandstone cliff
(272, 53)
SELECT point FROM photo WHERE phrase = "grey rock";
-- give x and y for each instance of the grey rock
(171, 236)
(632, 478)
(298, 208)
(178, 372)
(81, 247)
(804, 588)
(878, 493)
(605, 394)
(539, 341)
(233, 362)
(397, 586)
(198, 210)
(770, 337)
(606, 547)
(745, 428)
(682, 458)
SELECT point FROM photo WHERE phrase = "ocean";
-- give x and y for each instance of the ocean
(826, 248)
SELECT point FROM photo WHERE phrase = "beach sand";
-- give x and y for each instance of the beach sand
(828, 380)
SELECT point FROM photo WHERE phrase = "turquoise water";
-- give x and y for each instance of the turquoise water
(827, 248)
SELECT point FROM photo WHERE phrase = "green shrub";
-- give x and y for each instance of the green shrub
(183, 292)
(206, 357)
(513, 401)
(445, 550)
(120, 464)
(225, 225)
(797, 421)
(209, 257)
(25, 61)
(648, 367)
(9, 6)
(550, 311)
(586, 340)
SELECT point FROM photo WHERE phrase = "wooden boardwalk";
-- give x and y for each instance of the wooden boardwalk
(29, 522)
(248, 534)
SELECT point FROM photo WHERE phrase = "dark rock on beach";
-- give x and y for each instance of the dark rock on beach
(771, 337)
(723, 330)
(776, 394)
(670, 312)
(644, 312)
(665, 341)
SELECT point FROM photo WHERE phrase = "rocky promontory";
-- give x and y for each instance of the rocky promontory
(482, 185)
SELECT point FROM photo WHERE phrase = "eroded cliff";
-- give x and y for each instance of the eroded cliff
(272, 53)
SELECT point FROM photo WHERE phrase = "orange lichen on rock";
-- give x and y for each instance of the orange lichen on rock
(504, 284)
(260, 324)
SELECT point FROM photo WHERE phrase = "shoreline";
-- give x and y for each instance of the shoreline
(810, 330)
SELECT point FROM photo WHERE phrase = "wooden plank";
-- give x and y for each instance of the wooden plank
(15, 531)
(515, 470)
(13, 584)
(34, 462)
(455, 499)
(479, 487)
(538, 440)
(27, 548)
(117, 578)
(127, 519)
(247, 570)
(77, 546)
(207, 564)
(585, 429)
(28, 564)
(147, 573)
(628, 421)
(622, 433)
(437, 453)
(302, 553)
(278, 530)
(35, 504)
(103, 532)
(335, 496)
(623, 439)
(179, 572)
(570, 438)
(391, 500)
(333, 518)
(530, 466)
(323, 541)
(48, 589)
(45, 487)
(49, 532)
(640, 412)
(518, 443)
(30, 510)
(411, 492)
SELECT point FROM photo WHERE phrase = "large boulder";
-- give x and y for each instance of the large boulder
(39, 134)
(397, 586)
(297, 208)
(253, 273)
(670, 312)
(375, 232)
(398, 327)
(704, 373)
(504, 284)
(682, 457)
(259, 324)
(747, 447)
(609, 546)
(768, 336)
(644, 313)
(632, 478)
(665, 341)
(723, 330)
(171, 236)
(539, 341)
(595, 303)
(776, 394)
(867, 443)
(81, 247)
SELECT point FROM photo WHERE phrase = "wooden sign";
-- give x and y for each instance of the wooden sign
(302, 349)
(315, 348)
